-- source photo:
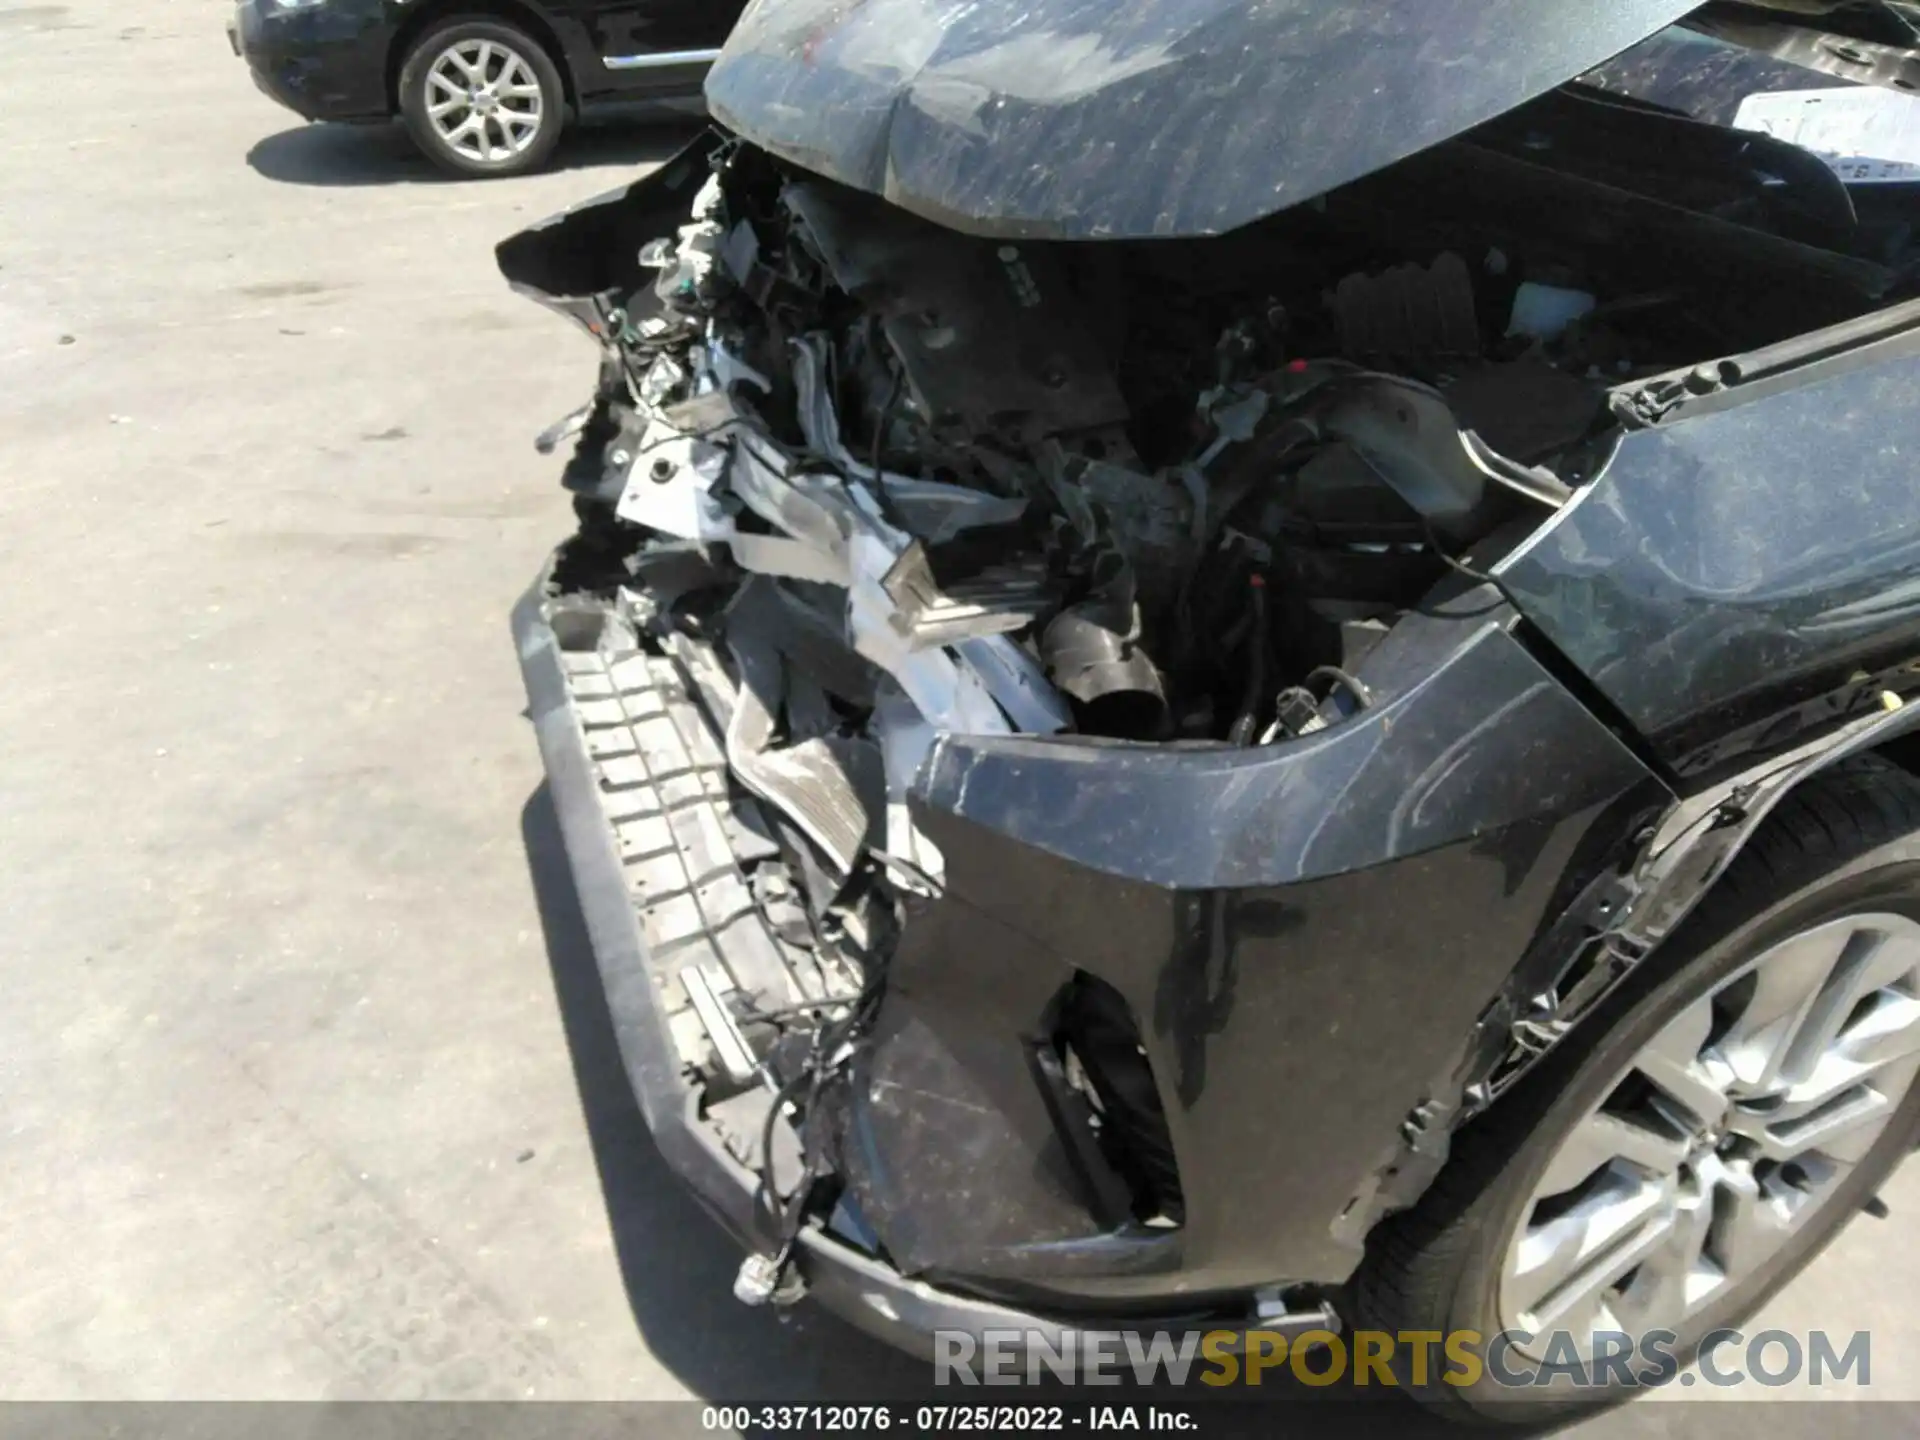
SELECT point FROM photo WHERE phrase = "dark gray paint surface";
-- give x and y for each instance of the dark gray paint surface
(1252, 906)
(1730, 564)
(1083, 118)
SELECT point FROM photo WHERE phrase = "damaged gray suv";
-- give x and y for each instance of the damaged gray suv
(1247, 666)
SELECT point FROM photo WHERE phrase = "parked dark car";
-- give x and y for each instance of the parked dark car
(1236, 666)
(485, 86)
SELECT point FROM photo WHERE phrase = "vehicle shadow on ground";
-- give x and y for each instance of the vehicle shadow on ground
(678, 1267)
(350, 155)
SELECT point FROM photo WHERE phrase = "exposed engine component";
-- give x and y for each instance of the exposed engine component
(1410, 310)
(1093, 652)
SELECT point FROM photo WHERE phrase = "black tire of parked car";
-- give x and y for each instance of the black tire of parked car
(1845, 842)
(447, 37)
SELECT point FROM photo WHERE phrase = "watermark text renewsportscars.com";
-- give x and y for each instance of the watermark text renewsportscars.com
(1513, 1359)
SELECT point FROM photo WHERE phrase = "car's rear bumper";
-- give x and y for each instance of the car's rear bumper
(323, 62)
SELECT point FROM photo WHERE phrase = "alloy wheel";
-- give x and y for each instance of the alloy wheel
(1728, 1131)
(484, 100)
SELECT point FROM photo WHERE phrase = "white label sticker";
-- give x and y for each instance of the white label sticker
(1865, 135)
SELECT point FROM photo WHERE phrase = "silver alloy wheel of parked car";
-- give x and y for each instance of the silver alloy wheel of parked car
(484, 100)
(1724, 1135)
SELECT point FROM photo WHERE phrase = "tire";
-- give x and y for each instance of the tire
(1841, 851)
(512, 78)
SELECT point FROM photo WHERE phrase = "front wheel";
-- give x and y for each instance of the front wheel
(1699, 1140)
(482, 98)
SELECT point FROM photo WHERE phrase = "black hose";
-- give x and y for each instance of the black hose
(1454, 562)
(767, 1203)
(787, 1012)
(1362, 696)
(1242, 731)
(880, 427)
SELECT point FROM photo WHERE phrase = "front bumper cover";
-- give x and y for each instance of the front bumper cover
(861, 1288)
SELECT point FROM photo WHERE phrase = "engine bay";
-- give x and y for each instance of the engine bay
(1166, 491)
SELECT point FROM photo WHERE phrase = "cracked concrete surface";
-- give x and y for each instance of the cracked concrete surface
(303, 1085)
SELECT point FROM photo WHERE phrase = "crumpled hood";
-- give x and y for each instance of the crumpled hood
(1095, 118)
